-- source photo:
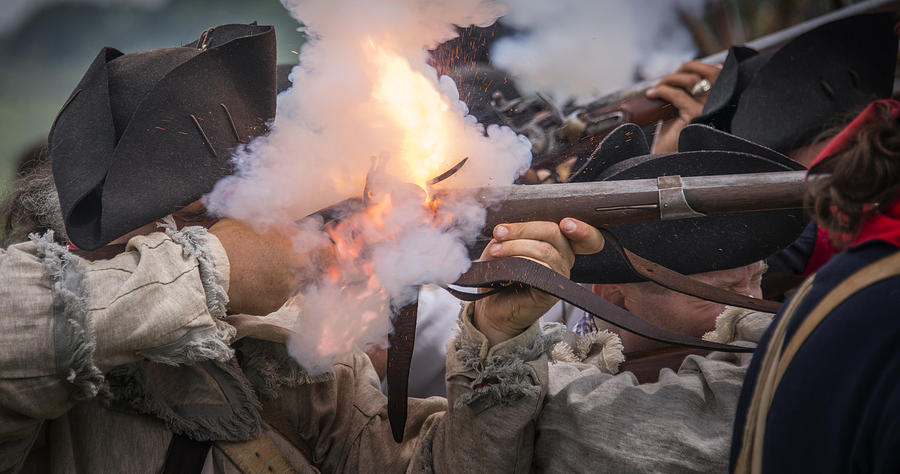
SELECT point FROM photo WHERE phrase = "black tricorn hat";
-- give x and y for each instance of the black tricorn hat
(692, 245)
(782, 100)
(283, 77)
(146, 133)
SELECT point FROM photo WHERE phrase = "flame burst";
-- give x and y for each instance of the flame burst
(368, 115)
(354, 282)
(426, 127)
(418, 112)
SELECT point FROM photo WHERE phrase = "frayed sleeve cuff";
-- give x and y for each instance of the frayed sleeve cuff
(502, 374)
(739, 324)
(196, 242)
(73, 329)
(603, 349)
(163, 299)
(220, 261)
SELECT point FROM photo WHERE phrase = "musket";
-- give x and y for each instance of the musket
(606, 204)
(609, 204)
(602, 204)
(558, 133)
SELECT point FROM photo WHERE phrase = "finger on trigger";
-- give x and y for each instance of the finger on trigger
(585, 238)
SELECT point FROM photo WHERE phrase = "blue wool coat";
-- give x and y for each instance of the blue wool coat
(837, 408)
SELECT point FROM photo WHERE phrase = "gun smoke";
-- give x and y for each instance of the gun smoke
(580, 49)
(367, 113)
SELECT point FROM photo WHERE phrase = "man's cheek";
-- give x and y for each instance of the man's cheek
(703, 315)
(756, 289)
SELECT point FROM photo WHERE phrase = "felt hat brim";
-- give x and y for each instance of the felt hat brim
(693, 245)
(179, 139)
(818, 80)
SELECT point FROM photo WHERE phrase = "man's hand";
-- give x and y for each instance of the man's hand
(506, 314)
(676, 89)
(265, 268)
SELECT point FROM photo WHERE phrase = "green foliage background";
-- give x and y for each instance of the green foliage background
(45, 57)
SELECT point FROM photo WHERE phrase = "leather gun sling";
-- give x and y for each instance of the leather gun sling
(683, 284)
(401, 343)
(511, 271)
(506, 272)
(779, 354)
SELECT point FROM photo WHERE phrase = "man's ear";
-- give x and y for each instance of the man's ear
(611, 292)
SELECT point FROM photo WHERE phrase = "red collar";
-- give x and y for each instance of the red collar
(885, 225)
(847, 136)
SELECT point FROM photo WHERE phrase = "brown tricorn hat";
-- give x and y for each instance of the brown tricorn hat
(146, 133)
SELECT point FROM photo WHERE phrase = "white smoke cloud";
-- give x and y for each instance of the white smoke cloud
(577, 48)
(345, 125)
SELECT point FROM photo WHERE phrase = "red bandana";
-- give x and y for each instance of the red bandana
(884, 225)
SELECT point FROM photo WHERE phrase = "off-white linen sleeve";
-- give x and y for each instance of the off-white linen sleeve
(597, 422)
(486, 424)
(65, 321)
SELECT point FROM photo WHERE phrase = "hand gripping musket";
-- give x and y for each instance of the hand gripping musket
(558, 133)
(602, 204)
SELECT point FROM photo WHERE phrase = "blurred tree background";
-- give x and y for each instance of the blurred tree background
(45, 45)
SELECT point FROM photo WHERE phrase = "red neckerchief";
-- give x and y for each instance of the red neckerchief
(885, 225)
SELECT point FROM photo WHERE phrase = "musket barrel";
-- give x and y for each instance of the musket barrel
(746, 192)
(612, 203)
(597, 203)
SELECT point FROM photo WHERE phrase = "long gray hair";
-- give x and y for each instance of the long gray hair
(32, 205)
